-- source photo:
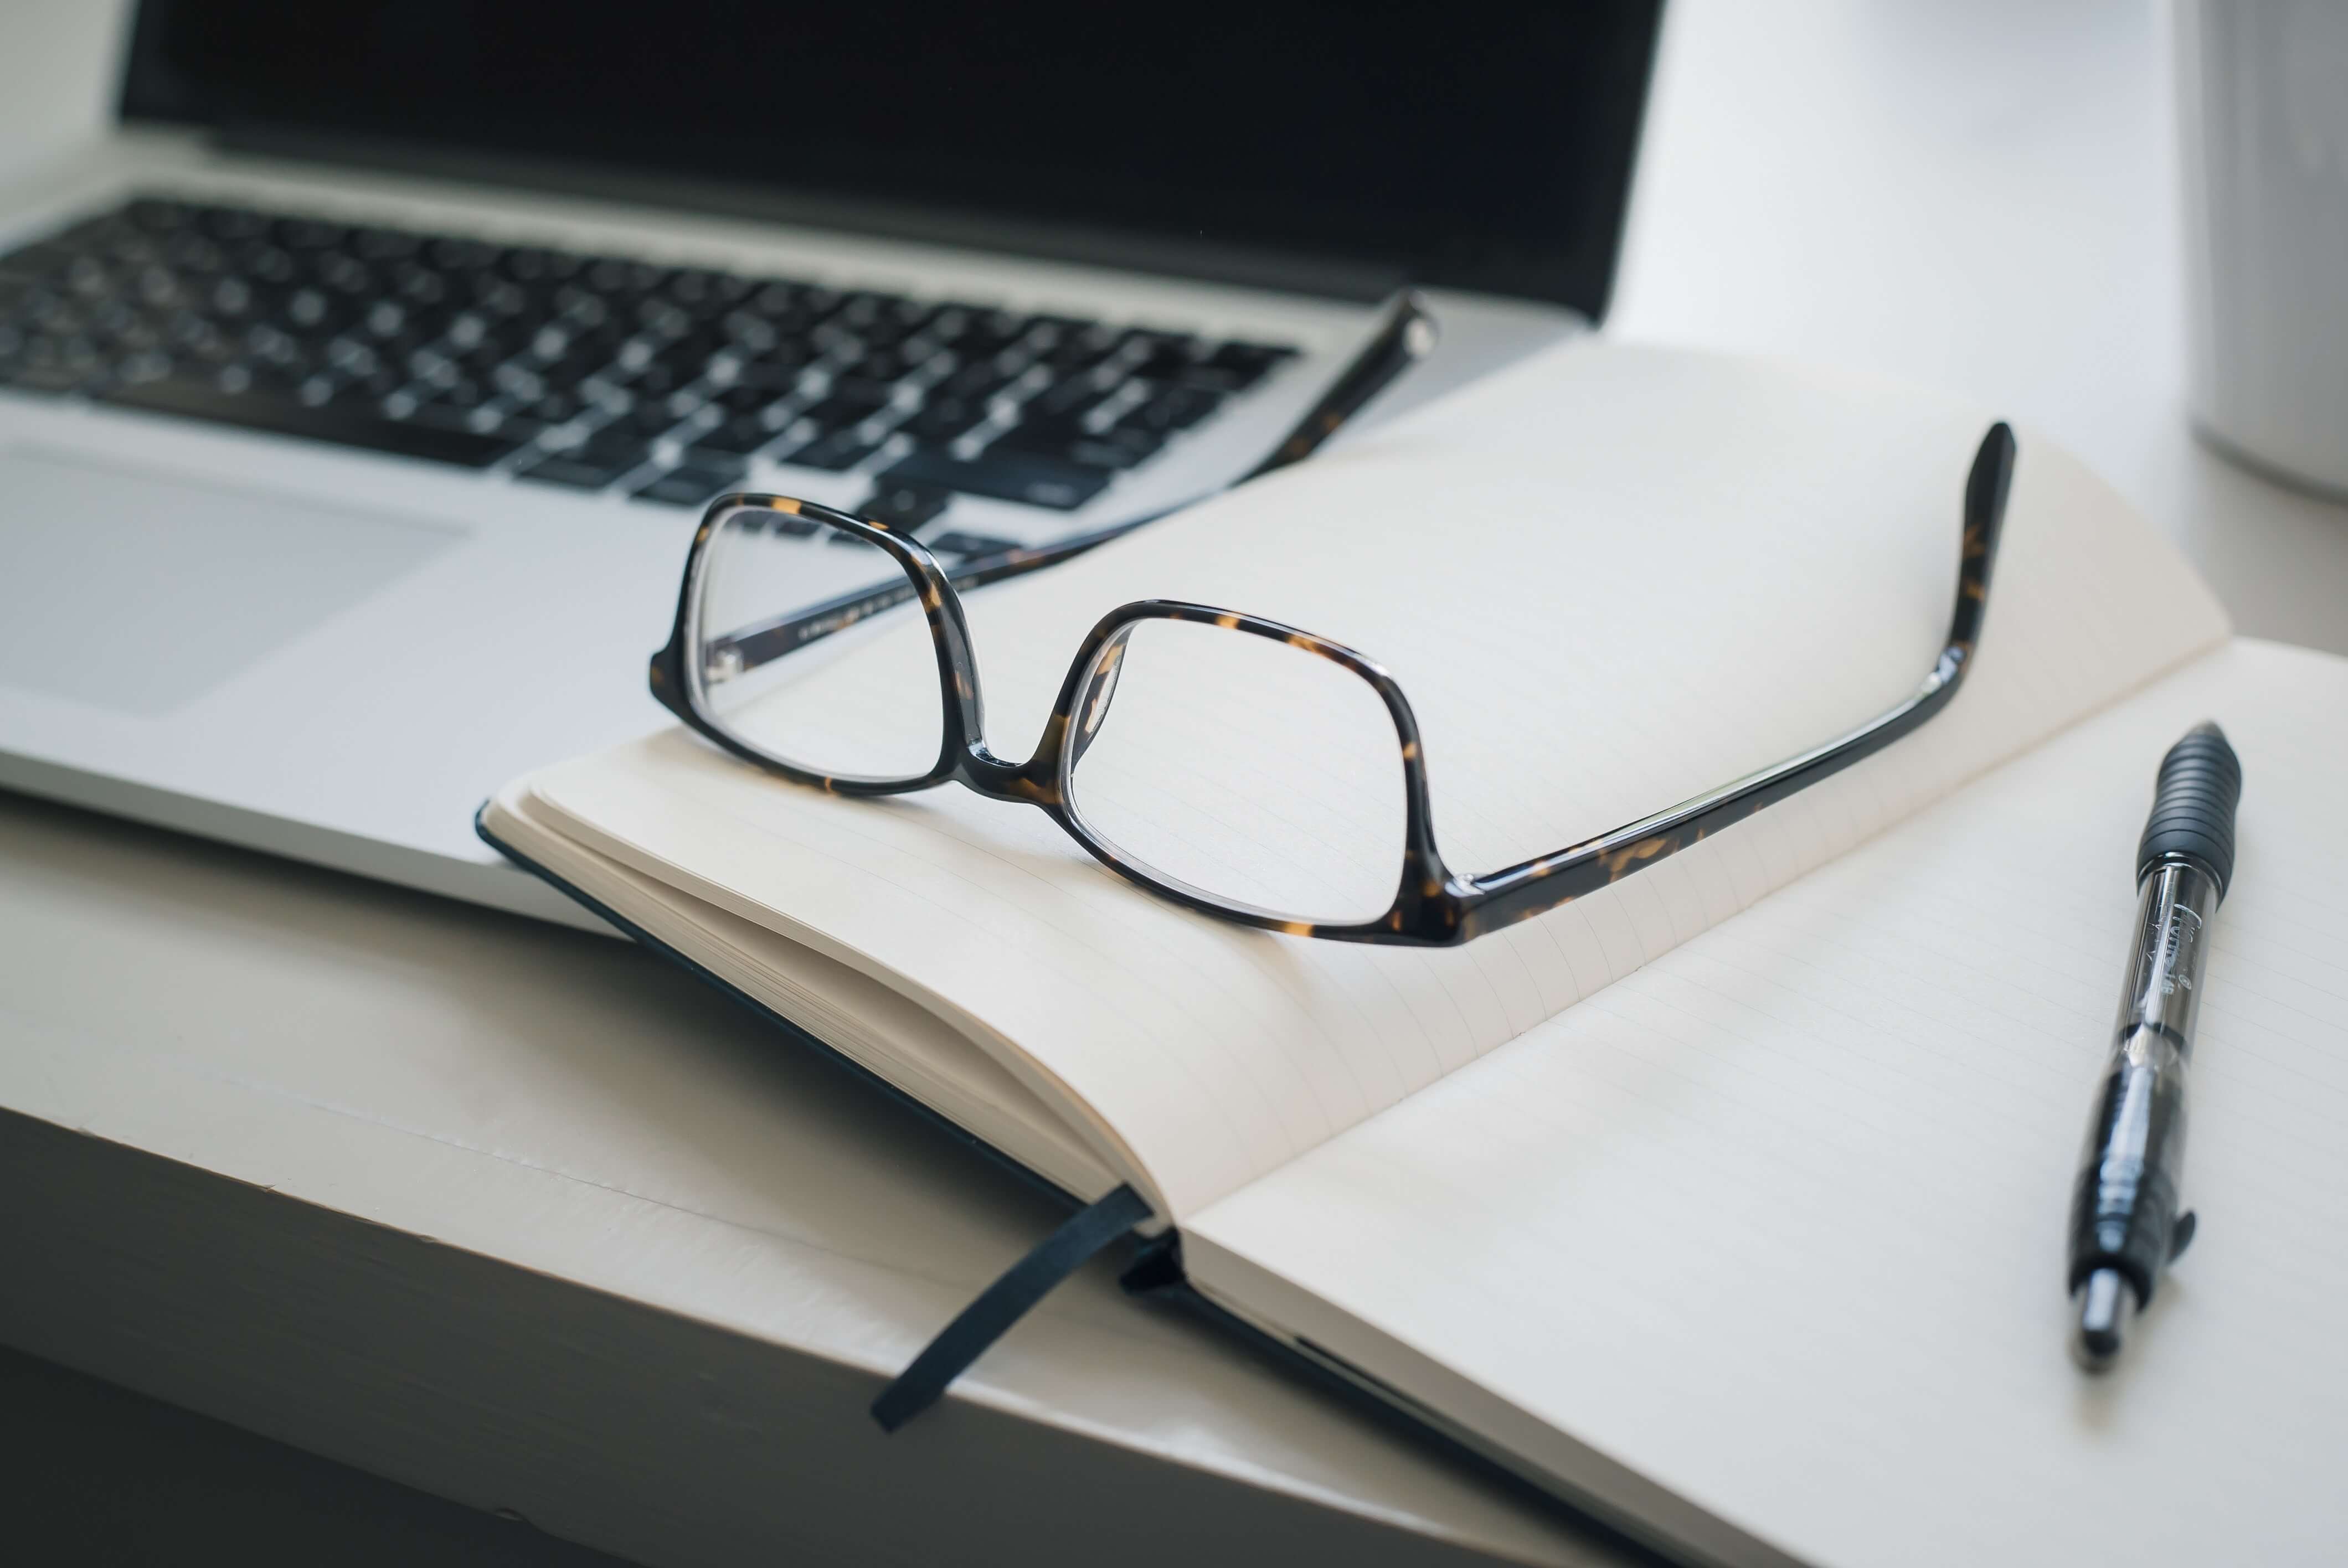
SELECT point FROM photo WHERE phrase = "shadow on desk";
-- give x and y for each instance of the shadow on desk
(94, 1474)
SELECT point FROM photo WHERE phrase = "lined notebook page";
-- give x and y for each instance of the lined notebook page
(1608, 579)
(1778, 1222)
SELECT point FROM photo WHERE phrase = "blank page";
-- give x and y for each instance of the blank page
(1609, 578)
(1778, 1222)
(871, 1024)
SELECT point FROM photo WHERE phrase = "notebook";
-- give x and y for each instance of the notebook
(1725, 1203)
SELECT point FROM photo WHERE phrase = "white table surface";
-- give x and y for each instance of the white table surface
(1975, 195)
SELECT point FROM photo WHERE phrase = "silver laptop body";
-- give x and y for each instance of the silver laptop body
(292, 556)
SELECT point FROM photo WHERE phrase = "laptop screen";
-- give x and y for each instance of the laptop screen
(1475, 144)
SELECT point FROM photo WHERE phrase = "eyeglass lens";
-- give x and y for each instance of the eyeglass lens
(862, 702)
(1254, 771)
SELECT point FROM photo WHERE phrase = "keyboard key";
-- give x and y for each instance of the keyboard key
(904, 508)
(514, 429)
(688, 355)
(451, 254)
(418, 284)
(878, 366)
(554, 408)
(615, 447)
(384, 244)
(980, 380)
(308, 234)
(706, 294)
(1157, 356)
(1176, 408)
(862, 389)
(744, 398)
(1069, 441)
(349, 427)
(975, 335)
(747, 337)
(561, 469)
(864, 311)
(741, 435)
(692, 485)
(1005, 476)
(649, 419)
(1045, 433)
(268, 264)
(835, 453)
(1071, 395)
(771, 376)
(231, 224)
(777, 297)
(841, 409)
(1117, 449)
(945, 418)
(656, 381)
(610, 275)
(461, 393)
(1080, 350)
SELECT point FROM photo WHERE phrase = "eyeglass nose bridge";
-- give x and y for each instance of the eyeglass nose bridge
(1036, 782)
(1073, 725)
(1099, 690)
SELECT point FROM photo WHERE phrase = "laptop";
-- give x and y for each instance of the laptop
(360, 388)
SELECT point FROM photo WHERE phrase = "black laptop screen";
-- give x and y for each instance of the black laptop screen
(1477, 145)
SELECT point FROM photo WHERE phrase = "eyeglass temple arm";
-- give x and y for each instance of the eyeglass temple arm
(1404, 337)
(1520, 892)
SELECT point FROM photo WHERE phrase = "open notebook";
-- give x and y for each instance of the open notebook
(1726, 1202)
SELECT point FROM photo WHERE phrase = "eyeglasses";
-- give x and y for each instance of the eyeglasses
(1238, 766)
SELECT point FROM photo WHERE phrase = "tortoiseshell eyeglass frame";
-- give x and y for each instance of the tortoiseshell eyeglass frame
(1432, 906)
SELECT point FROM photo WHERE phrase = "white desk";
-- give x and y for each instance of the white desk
(520, 1216)
(574, 1240)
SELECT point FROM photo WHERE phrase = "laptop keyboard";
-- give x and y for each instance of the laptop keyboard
(592, 371)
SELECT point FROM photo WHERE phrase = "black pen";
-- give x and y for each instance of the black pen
(2126, 1226)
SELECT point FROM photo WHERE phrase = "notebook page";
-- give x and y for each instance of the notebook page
(1778, 1222)
(871, 1024)
(1607, 579)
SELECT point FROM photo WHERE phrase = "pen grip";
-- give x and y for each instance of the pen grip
(2193, 806)
(2123, 1205)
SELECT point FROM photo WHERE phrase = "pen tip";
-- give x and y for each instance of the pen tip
(2106, 1302)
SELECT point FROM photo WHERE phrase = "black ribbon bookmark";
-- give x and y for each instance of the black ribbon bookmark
(1004, 1303)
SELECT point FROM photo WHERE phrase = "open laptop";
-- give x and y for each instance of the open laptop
(358, 392)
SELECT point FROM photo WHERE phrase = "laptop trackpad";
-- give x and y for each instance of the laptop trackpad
(140, 591)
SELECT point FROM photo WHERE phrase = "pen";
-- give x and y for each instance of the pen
(2126, 1226)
